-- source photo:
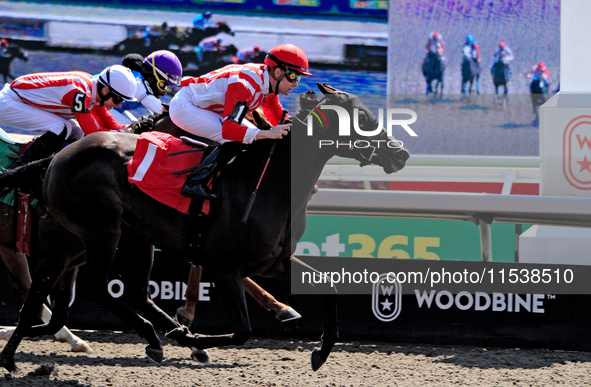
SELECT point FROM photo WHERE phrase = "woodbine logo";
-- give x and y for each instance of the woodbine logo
(345, 126)
(386, 301)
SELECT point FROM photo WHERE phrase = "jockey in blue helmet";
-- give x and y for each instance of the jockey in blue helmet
(471, 49)
(203, 21)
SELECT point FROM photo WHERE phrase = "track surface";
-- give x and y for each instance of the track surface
(119, 360)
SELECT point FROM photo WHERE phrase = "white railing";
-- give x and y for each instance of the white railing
(482, 209)
(443, 168)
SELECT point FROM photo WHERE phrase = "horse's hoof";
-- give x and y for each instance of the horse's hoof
(201, 356)
(288, 315)
(8, 363)
(82, 346)
(316, 360)
(156, 355)
(5, 334)
(181, 318)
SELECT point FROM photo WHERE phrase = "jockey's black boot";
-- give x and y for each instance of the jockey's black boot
(196, 185)
(43, 146)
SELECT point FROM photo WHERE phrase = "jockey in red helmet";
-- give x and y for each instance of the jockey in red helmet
(435, 43)
(214, 106)
(4, 48)
(505, 55)
(540, 71)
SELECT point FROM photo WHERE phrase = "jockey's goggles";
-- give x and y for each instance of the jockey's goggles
(292, 76)
(116, 99)
(164, 85)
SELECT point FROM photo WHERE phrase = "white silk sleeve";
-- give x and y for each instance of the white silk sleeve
(152, 103)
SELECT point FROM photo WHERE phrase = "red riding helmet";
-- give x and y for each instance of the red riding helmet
(288, 55)
(502, 45)
(542, 66)
(436, 35)
(4, 43)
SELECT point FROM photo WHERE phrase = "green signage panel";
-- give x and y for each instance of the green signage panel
(403, 238)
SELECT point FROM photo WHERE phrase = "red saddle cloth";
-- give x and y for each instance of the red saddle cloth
(155, 159)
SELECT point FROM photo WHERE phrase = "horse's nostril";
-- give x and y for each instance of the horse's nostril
(402, 155)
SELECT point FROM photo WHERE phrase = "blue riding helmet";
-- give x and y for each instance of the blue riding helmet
(470, 39)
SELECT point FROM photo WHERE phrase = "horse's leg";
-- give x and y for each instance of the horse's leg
(266, 300)
(230, 286)
(65, 335)
(20, 280)
(330, 334)
(185, 314)
(61, 253)
(47, 275)
(17, 269)
(138, 258)
(101, 246)
(61, 295)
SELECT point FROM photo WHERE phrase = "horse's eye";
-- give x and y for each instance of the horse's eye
(363, 119)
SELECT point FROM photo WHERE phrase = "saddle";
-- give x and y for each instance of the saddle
(159, 168)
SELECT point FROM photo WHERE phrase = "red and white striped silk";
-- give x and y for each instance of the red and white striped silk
(220, 91)
(55, 92)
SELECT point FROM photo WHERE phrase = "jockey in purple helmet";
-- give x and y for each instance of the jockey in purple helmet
(154, 74)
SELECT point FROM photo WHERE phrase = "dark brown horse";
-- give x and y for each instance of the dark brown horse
(193, 36)
(86, 188)
(12, 53)
(18, 271)
(45, 232)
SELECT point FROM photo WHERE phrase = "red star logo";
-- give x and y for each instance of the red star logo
(585, 165)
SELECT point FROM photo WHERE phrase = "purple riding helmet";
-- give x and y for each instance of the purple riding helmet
(167, 69)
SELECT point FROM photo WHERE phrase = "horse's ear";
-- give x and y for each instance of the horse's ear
(330, 91)
(325, 88)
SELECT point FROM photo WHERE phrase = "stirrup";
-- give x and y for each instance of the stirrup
(198, 192)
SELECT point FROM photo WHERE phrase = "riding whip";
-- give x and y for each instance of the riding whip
(253, 197)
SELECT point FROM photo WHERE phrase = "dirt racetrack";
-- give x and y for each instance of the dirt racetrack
(119, 360)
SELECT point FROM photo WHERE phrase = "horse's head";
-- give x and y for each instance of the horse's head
(224, 27)
(230, 50)
(369, 141)
(18, 52)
